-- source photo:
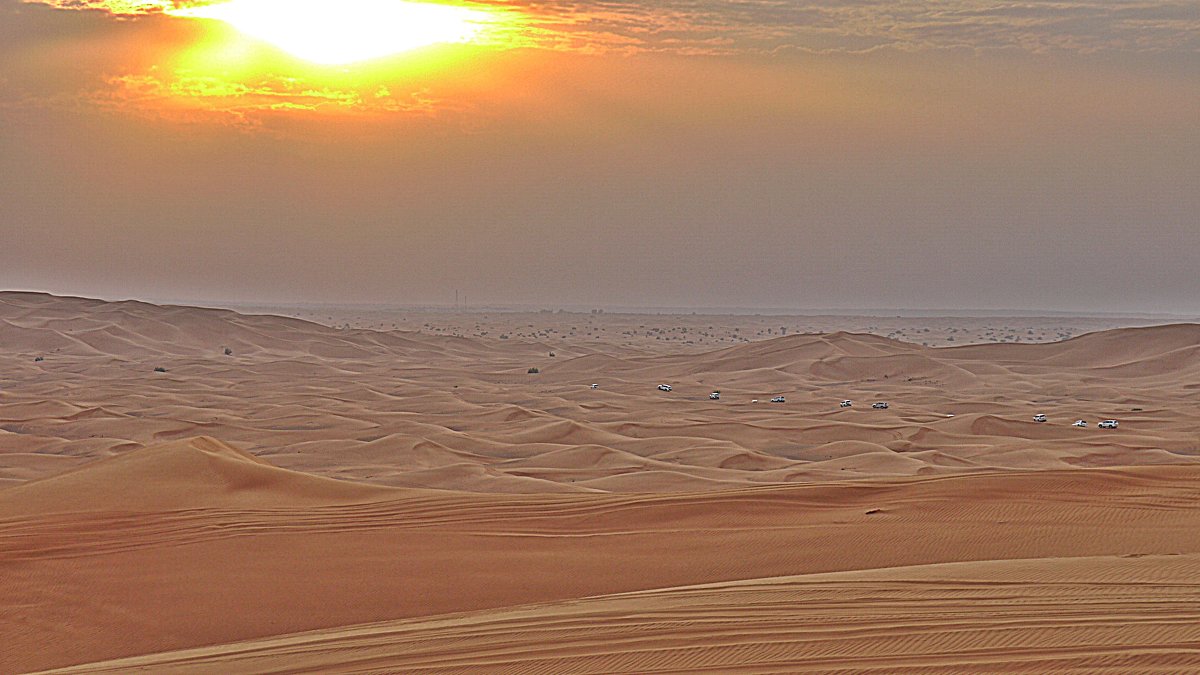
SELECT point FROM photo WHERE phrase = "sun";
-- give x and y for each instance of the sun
(337, 32)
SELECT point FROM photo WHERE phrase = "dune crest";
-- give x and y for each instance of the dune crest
(199, 472)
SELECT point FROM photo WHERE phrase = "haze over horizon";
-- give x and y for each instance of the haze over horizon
(299, 308)
(1042, 156)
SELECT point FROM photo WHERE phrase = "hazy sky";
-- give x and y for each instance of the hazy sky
(752, 153)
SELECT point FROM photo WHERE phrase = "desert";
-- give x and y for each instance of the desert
(202, 490)
(541, 337)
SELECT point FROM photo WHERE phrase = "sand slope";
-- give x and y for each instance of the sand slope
(146, 577)
(1067, 615)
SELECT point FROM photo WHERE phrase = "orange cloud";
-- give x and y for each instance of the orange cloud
(719, 26)
(240, 84)
(248, 103)
(118, 7)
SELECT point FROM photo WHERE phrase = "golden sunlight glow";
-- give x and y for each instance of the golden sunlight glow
(334, 32)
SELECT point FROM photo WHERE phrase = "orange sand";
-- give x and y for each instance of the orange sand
(492, 520)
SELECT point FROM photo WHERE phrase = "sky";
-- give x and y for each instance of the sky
(833, 154)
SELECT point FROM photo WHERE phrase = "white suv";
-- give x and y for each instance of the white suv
(1108, 424)
(664, 387)
(715, 396)
(1039, 418)
(847, 403)
(1079, 423)
(779, 399)
(882, 405)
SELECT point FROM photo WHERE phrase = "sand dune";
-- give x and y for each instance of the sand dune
(260, 551)
(322, 400)
(1070, 615)
(270, 494)
(196, 473)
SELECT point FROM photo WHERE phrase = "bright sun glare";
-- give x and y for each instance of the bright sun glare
(334, 32)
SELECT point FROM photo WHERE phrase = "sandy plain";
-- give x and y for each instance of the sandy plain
(283, 495)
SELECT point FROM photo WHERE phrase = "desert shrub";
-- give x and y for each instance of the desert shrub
(533, 371)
